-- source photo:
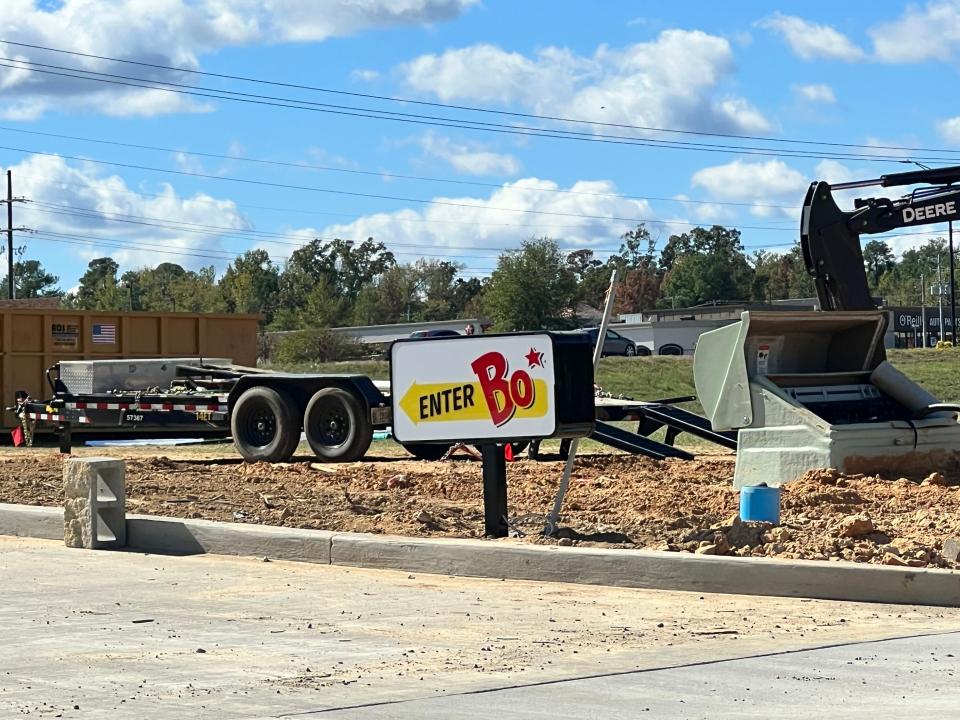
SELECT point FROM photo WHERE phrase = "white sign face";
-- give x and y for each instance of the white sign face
(473, 388)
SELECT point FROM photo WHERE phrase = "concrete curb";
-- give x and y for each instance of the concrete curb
(174, 536)
(505, 559)
(44, 523)
(651, 569)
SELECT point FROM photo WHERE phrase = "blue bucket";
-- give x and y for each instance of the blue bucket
(760, 503)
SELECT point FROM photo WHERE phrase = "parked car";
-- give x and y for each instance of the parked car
(615, 344)
(421, 334)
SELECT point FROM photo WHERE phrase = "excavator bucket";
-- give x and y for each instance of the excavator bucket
(814, 390)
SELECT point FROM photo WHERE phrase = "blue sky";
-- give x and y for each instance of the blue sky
(864, 74)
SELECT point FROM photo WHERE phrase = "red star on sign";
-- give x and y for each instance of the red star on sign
(534, 358)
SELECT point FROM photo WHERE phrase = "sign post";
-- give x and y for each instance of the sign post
(494, 490)
(489, 390)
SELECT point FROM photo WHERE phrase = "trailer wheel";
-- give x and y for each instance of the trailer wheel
(265, 426)
(337, 426)
(426, 451)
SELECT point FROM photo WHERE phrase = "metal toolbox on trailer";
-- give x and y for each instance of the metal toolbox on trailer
(104, 376)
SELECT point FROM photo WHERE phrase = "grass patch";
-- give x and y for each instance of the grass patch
(653, 378)
(375, 369)
(936, 370)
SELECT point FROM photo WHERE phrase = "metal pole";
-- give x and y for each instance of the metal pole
(940, 296)
(494, 490)
(923, 313)
(554, 517)
(10, 291)
(953, 296)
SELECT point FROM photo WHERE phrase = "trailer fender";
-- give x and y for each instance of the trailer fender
(301, 388)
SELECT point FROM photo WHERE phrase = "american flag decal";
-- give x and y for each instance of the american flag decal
(104, 334)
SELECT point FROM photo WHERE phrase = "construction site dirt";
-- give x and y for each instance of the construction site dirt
(614, 501)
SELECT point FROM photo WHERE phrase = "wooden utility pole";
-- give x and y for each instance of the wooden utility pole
(10, 291)
(11, 286)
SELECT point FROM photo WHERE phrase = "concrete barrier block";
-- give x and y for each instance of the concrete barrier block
(94, 513)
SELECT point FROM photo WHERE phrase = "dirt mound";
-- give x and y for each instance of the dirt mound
(613, 501)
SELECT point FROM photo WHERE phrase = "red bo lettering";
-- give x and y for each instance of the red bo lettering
(503, 397)
(491, 369)
(521, 389)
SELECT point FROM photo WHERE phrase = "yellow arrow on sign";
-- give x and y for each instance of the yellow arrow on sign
(450, 401)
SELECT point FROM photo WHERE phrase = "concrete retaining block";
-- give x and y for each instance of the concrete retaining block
(191, 537)
(44, 523)
(650, 569)
(94, 508)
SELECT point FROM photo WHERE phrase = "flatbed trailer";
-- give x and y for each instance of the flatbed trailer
(263, 412)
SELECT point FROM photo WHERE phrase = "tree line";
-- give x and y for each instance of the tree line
(538, 286)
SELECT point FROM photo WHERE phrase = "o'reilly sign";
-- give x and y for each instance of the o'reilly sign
(910, 320)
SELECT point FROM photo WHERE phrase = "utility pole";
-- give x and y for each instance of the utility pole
(923, 314)
(11, 292)
(940, 296)
(953, 295)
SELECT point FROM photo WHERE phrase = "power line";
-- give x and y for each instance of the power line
(91, 240)
(308, 188)
(298, 240)
(470, 108)
(463, 124)
(302, 211)
(264, 239)
(373, 173)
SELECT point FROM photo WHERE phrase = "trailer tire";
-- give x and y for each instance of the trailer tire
(337, 426)
(426, 451)
(264, 425)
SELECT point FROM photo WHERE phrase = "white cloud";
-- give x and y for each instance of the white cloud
(78, 201)
(812, 41)
(832, 171)
(361, 75)
(188, 163)
(950, 130)
(930, 32)
(816, 93)
(762, 184)
(469, 159)
(676, 80)
(487, 224)
(174, 33)
(707, 212)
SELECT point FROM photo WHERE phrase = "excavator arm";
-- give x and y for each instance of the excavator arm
(830, 237)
